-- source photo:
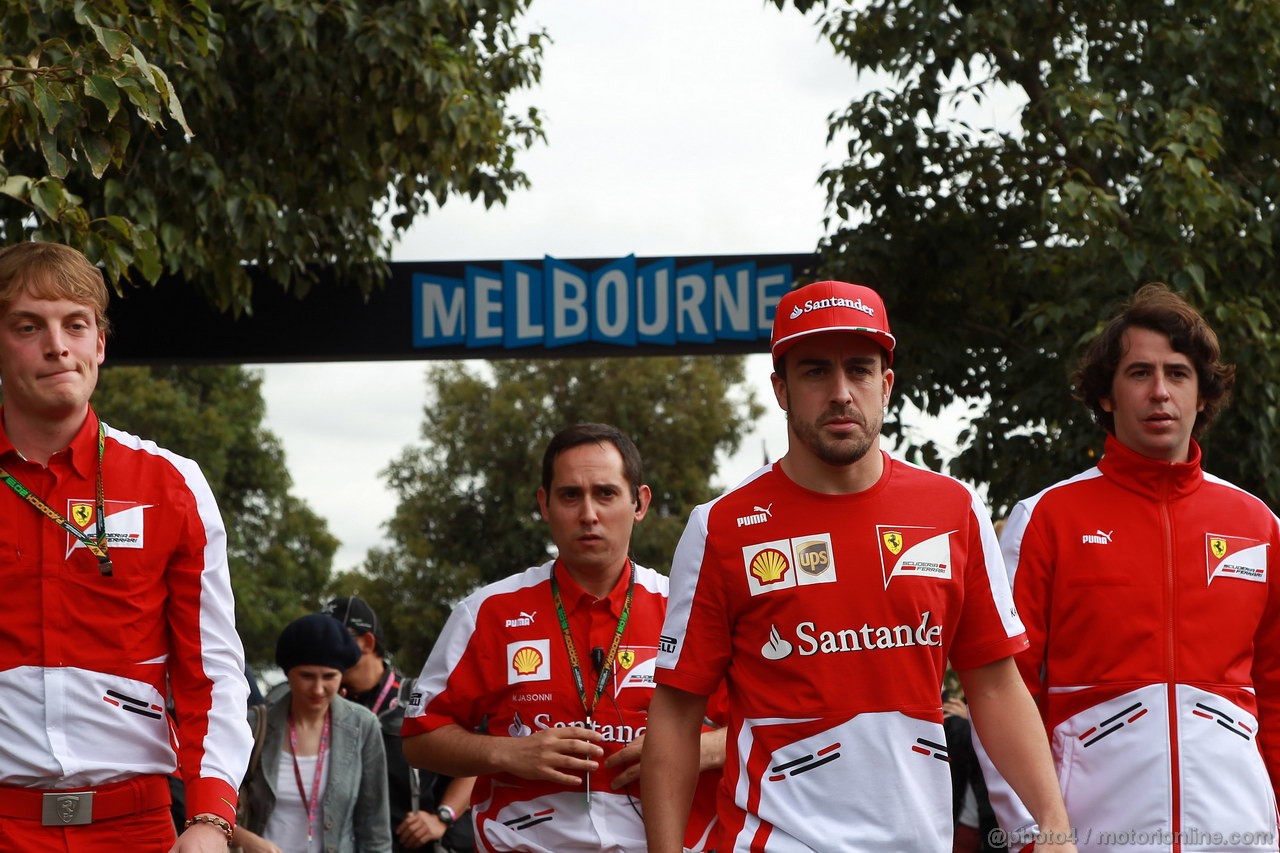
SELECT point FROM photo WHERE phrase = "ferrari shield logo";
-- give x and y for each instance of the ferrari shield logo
(1218, 547)
(893, 541)
(627, 658)
(82, 514)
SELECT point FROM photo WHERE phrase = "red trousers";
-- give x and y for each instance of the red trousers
(148, 832)
(135, 817)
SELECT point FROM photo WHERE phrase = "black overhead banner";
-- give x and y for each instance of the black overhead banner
(544, 308)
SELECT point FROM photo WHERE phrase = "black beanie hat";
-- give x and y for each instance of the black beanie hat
(316, 640)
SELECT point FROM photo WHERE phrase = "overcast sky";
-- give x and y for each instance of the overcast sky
(674, 127)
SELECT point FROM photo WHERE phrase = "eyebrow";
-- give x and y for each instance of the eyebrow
(1183, 362)
(603, 484)
(20, 314)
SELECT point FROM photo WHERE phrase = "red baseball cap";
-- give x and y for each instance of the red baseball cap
(830, 306)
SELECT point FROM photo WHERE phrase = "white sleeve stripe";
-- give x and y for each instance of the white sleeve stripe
(1016, 527)
(458, 630)
(227, 742)
(686, 568)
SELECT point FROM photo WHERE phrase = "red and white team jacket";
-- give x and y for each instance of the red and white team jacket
(832, 618)
(1154, 628)
(86, 661)
(501, 666)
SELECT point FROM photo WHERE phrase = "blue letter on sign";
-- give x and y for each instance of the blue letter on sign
(567, 317)
(439, 311)
(613, 303)
(523, 317)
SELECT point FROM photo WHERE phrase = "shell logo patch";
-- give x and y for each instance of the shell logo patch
(914, 552)
(1235, 558)
(528, 660)
(769, 566)
(788, 563)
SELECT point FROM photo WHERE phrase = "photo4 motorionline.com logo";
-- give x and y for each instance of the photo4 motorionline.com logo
(1132, 838)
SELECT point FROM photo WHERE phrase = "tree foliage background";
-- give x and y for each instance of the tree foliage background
(1017, 170)
(191, 138)
(468, 511)
(280, 551)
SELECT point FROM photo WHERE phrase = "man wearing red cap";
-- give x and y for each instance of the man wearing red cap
(829, 590)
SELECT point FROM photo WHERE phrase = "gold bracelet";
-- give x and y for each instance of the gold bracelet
(221, 823)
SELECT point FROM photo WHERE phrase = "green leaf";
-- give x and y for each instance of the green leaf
(104, 89)
(146, 254)
(140, 60)
(170, 96)
(401, 118)
(16, 186)
(98, 152)
(1197, 277)
(56, 162)
(115, 42)
(122, 226)
(47, 104)
(49, 197)
(1134, 261)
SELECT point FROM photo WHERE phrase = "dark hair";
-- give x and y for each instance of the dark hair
(580, 434)
(1159, 309)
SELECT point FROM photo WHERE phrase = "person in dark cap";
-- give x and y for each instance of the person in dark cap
(426, 809)
(321, 772)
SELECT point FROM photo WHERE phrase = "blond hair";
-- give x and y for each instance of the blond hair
(52, 271)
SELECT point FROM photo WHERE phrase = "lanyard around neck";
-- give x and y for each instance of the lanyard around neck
(313, 804)
(96, 544)
(387, 686)
(572, 649)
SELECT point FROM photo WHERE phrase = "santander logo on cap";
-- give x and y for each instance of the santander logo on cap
(831, 306)
(834, 302)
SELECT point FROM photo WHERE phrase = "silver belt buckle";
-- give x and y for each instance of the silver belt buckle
(58, 809)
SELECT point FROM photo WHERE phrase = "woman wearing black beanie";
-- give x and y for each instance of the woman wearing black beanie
(320, 782)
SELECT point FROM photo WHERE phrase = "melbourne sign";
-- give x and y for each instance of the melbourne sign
(550, 307)
(622, 304)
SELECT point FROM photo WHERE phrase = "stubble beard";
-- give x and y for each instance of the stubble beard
(838, 451)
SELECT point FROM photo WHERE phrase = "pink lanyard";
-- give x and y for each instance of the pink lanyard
(314, 803)
(391, 682)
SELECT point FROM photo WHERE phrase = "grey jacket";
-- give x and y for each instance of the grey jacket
(355, 797)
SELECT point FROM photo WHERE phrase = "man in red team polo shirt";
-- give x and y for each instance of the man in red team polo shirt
(829, 589)
(116, 596)
(540, 683)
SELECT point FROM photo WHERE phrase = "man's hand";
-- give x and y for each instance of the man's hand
(553, 755)
(710, 756)
(418, 829)
(628, 757)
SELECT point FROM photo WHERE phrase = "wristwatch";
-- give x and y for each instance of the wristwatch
(447, 815)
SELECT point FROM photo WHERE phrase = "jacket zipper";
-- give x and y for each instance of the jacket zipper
(1171, 685)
